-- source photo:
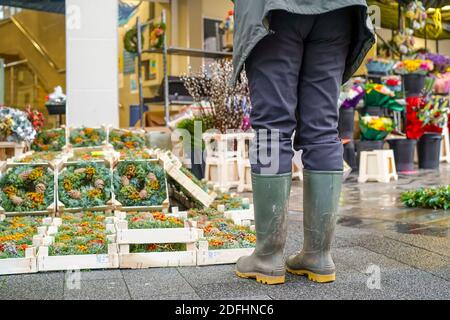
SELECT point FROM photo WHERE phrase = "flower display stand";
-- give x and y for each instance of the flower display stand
(46, 262)
(245, 171)
(445, 146)
(11, 149)
(205, 256)
(222, 159)
(377, 165)
(126, 237)
(20, 265)
(172, 166)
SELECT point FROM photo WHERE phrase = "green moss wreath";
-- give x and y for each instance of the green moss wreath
(84, 185)
(87, 137)
(49, 140)
(27, 188)
(139, 183)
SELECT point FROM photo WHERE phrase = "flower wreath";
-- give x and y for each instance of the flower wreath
(130, 40)
(125, 139)
(87, 137)
(49, 140)
(84, 185)
(139, 183)
(157, 31)
(222, 234)
(27, 188)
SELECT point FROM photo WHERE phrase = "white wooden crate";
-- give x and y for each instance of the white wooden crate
(28, 264)
(205, 256)
(126, 237)
(172, 167)
(45, 262)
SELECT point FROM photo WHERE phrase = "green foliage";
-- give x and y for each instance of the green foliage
(189, 125)
(139, 183)
(160, 247)
(230, 203)
(49, 140)
(125, 139)
(82, 177)
(20, 184)
(223, 234)
(434, 198)
(152, 220)
(87, 137)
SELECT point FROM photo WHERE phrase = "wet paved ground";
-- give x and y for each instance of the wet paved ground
(407, 250)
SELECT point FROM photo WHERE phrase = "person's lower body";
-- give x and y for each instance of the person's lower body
(294, 76)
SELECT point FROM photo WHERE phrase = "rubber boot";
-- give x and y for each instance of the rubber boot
(270, 199)
(321, 190)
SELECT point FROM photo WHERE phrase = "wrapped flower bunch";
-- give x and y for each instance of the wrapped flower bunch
(416, 66)
(375, 128)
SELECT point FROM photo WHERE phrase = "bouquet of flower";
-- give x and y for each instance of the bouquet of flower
(380, 95)
(15, 126)
(126, 139)
(57, 97)
(87, 137)
(139, 183)
(375, 128)
(157, 30)
(442, 83)
(27, 188)
(36, 118)
(80, 233)
(433, 113)
(441, 62)
(49, 140)
(16, 234)
(351, 97)
(84, 185)
(379, 66)
(416, 66)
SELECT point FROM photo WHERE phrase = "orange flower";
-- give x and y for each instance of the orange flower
(88, 131)
(78, 140)
(10, 190)
(36, 198)
(94, 193)
(129, 145)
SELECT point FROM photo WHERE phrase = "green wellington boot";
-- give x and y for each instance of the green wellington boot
(321, 190)
(270, 199)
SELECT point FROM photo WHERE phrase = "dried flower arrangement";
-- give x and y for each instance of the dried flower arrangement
(27, 188)
(139, 183)
(16, 234)
(84, 185)
(49, 140)
(87, 137)
(126, 139)
(228, 103)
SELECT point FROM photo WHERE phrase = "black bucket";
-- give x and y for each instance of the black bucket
(350, 155)
(413, 84)
(403, 153)
(429, 150)
(346, 123)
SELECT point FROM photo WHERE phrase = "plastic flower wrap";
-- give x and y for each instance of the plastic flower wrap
(380, 95)
(416, 66)
(15, 126)
(375, 128)
(442, 83)
(57, 97)
(352, 97)
(434, 112)
(378, 65)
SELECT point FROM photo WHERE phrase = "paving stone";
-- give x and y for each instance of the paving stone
(181, 296)
(101, 275)
(244, 288)
(153, 282)
(105, 289)
(40, 286)
(199, 276)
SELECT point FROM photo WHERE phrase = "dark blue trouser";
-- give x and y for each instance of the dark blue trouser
(294, 76)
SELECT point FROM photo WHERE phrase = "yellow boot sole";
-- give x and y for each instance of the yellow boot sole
(261, 278)
(321, 278)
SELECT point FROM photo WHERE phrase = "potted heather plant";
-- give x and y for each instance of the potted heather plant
(413, 72)
(351, 98)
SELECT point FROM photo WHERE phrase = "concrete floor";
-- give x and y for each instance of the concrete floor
(382, 251)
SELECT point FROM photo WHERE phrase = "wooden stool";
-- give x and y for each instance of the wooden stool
(445, 146)
(377, 165)
(244, 167)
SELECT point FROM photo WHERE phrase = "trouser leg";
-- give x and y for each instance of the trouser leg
(325, 51)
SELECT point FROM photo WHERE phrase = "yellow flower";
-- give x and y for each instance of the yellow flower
(36, 174)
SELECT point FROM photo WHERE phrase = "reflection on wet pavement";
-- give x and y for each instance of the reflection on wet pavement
(377, 206)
